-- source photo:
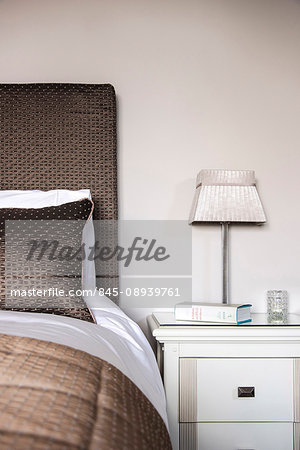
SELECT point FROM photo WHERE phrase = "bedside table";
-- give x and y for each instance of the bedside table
(230, 387)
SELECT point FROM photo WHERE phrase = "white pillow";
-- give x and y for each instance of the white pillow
(40, 199)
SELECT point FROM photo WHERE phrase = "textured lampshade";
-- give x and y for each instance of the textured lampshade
(226, 196)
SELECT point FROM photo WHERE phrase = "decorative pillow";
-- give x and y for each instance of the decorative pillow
(40, 199)
(41, 255)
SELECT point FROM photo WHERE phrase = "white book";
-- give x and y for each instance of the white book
(213, 312)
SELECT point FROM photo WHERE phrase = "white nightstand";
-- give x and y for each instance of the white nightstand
(231, 387)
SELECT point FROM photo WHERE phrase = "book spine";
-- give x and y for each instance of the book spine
(206, 314)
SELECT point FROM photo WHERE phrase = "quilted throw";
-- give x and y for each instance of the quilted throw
(55, 397)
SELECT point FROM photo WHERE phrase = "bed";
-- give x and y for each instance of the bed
(66, 382)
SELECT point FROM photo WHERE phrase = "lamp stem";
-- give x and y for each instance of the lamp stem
(225, 262)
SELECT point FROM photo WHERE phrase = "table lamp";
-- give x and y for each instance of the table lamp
(225, 197)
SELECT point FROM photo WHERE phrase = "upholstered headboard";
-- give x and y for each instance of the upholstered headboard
(61, 136)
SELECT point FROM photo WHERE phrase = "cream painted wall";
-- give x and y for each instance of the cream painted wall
(200, 84)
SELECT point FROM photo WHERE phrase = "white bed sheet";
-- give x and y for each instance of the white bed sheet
(115, 338)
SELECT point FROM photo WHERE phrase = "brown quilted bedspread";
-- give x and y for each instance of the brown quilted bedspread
(55, 397)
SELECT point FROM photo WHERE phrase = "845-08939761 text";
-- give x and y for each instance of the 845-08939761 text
(142, 292)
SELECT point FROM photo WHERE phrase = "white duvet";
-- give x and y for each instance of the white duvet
(115, 338)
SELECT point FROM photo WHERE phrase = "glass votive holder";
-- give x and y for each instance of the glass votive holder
(277, 306)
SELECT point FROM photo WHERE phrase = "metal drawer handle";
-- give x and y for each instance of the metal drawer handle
(246, 391)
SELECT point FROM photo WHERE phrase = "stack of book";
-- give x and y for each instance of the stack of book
(213, 312)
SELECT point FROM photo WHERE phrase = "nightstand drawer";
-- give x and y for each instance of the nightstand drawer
(236, 390)
(232, 436)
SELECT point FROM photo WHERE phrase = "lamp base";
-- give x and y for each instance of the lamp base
(225, 262)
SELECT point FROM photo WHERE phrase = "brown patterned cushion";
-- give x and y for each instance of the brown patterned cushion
(38, 269)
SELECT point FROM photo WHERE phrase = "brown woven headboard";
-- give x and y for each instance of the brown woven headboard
(60, 136)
